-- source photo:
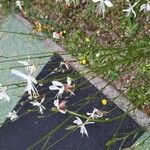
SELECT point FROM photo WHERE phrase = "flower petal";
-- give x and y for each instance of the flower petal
(83, 130)
(68, 80)
(20, 74)
(56, 103)
(134, 13)
(95, 1)
(62, 111)
(41, 110)
(57, 83)
(142, 7)
(35, 103)
(125, 10)
(42, 100)
(32, 79)
(52, 87)
(78, 121)
(24, 63)
(67, 66)
(148, 7)
(108, 3)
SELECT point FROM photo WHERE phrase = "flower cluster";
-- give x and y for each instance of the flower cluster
(101, 7)
(63, 89)
(30, 87)
(39, 105)
(95, 114)
(103, 4)
(60, 105)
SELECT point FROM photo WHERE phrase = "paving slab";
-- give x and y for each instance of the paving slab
(17, 47)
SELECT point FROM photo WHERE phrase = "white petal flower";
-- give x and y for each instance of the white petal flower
(69, 81)
(95, 1)
(108, 3)
(56, 85)
(23, 62)
(19, 4)
(12, 115)
(31, 68)
(60, 106)
(146, 9)
(56, 35)
(101, 8)
(39, 105)
(81, 125)
(30, 88)
(3, 94)
(95, 114)
(130, 9)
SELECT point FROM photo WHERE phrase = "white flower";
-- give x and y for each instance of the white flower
(68, 86)
(19, 4)
(130, 9)
(39, 105)
(12, 115)
(95, 114)
(31, 68)
(59, 1)
(56, 85)
(101, 8)
(81, 125)
(3, 94)
(30, 88)
(56, 35)
(60, 106)
(146, 9)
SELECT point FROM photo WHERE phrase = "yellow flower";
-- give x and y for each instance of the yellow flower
(104, 102)
(87, 39)
(62, 33)
(38, 26)
(83, 62)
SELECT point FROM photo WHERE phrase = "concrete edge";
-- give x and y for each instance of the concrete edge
(109, 90)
